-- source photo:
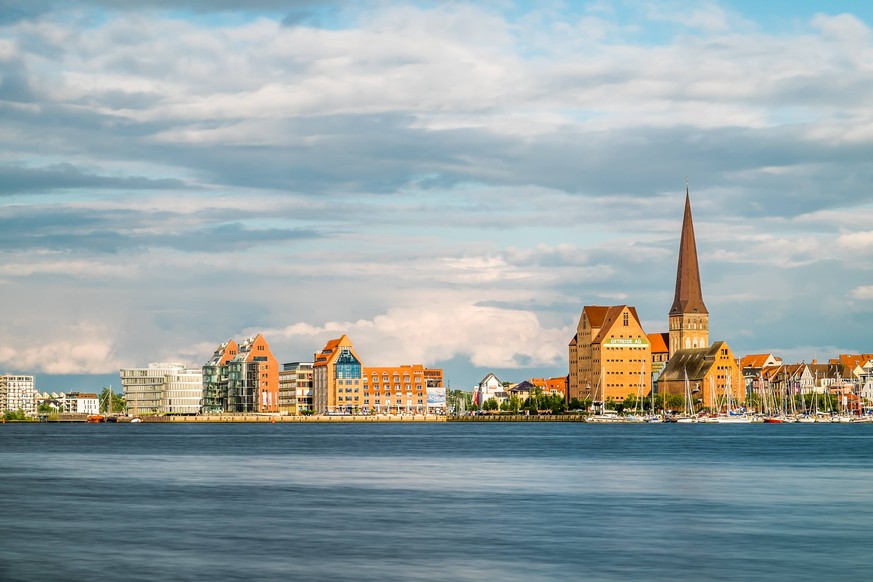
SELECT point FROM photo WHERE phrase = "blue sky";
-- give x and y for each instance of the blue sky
(446, 183)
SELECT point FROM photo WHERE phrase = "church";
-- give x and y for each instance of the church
(611, 356)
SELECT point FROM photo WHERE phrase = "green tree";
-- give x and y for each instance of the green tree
(14, 415)
(118, 403)
(555, 403)
(459, 400)
(490, 404)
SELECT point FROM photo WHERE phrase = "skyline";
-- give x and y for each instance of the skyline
(447, 184)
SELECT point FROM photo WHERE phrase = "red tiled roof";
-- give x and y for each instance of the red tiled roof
(611, 317)
(754, 360)
(596, 314)
(658, 342)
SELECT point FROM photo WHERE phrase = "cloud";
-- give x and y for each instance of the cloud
(88, 350)
(487, 336)
(445, 182)
(18, 179)
(864, 293)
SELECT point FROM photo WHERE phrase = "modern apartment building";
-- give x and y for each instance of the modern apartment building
(241, 377)
(295, 388)
(163, 388)
(215, 378)
(399, 389)
(81, 403)
(18, 392)
(337, 378)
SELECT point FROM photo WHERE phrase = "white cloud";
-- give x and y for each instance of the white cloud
(489, 337)
(81, 349)
(864, 293)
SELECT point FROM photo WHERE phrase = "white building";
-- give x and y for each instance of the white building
(490, 387)
(17, 393)
(163, 388)
(82, 403)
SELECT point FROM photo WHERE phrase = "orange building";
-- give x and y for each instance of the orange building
(337, 385)
(610, 355)
(709, 375)
(660, 354)
(557, 385)
(253, 378)
(397, 389)
(241, 378)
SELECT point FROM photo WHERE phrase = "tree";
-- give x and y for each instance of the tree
(490, 404)
(118, 403)
(14, 415)
(458, 400)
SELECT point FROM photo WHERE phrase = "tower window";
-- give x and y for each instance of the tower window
(625, 319)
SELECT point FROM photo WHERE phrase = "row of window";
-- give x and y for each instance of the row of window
(388, 402)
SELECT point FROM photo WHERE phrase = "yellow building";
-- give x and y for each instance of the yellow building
(712, 374)
(610, 355)
(337, 385)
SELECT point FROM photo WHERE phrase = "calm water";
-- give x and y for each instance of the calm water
(467, 501)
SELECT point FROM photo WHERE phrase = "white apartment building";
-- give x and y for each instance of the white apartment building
(18, 393)
(163, 388)
(81, 403)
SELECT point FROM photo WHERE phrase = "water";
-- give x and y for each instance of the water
(448, 501)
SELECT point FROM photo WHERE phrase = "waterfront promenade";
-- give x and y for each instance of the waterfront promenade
(325, 418)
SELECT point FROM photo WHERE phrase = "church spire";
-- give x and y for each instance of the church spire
(689, 297)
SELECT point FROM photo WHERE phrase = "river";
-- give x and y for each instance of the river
(435, 501)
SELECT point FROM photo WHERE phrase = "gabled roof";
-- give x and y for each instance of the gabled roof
(795, 370)
(523, 386)
(223, 353)
(830, 370)
(322, 357)
(772, 372)
(852, 361)
(659, 342)
(487, 376)
(754, 360)
(596, 314)
(611, 318)
(695, 361)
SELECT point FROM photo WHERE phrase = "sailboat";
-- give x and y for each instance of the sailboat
(636, 415)
(688, 414)
(731, 415)
(602, 415)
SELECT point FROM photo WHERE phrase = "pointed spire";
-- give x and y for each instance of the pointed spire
(689, 296)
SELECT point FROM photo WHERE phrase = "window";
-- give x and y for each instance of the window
(625, 318)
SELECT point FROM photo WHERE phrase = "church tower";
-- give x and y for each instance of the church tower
(689, 319)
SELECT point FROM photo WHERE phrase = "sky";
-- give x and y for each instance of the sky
(447, 183)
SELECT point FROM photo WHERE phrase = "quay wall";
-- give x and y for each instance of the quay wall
(282, 419)
(519, 418)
